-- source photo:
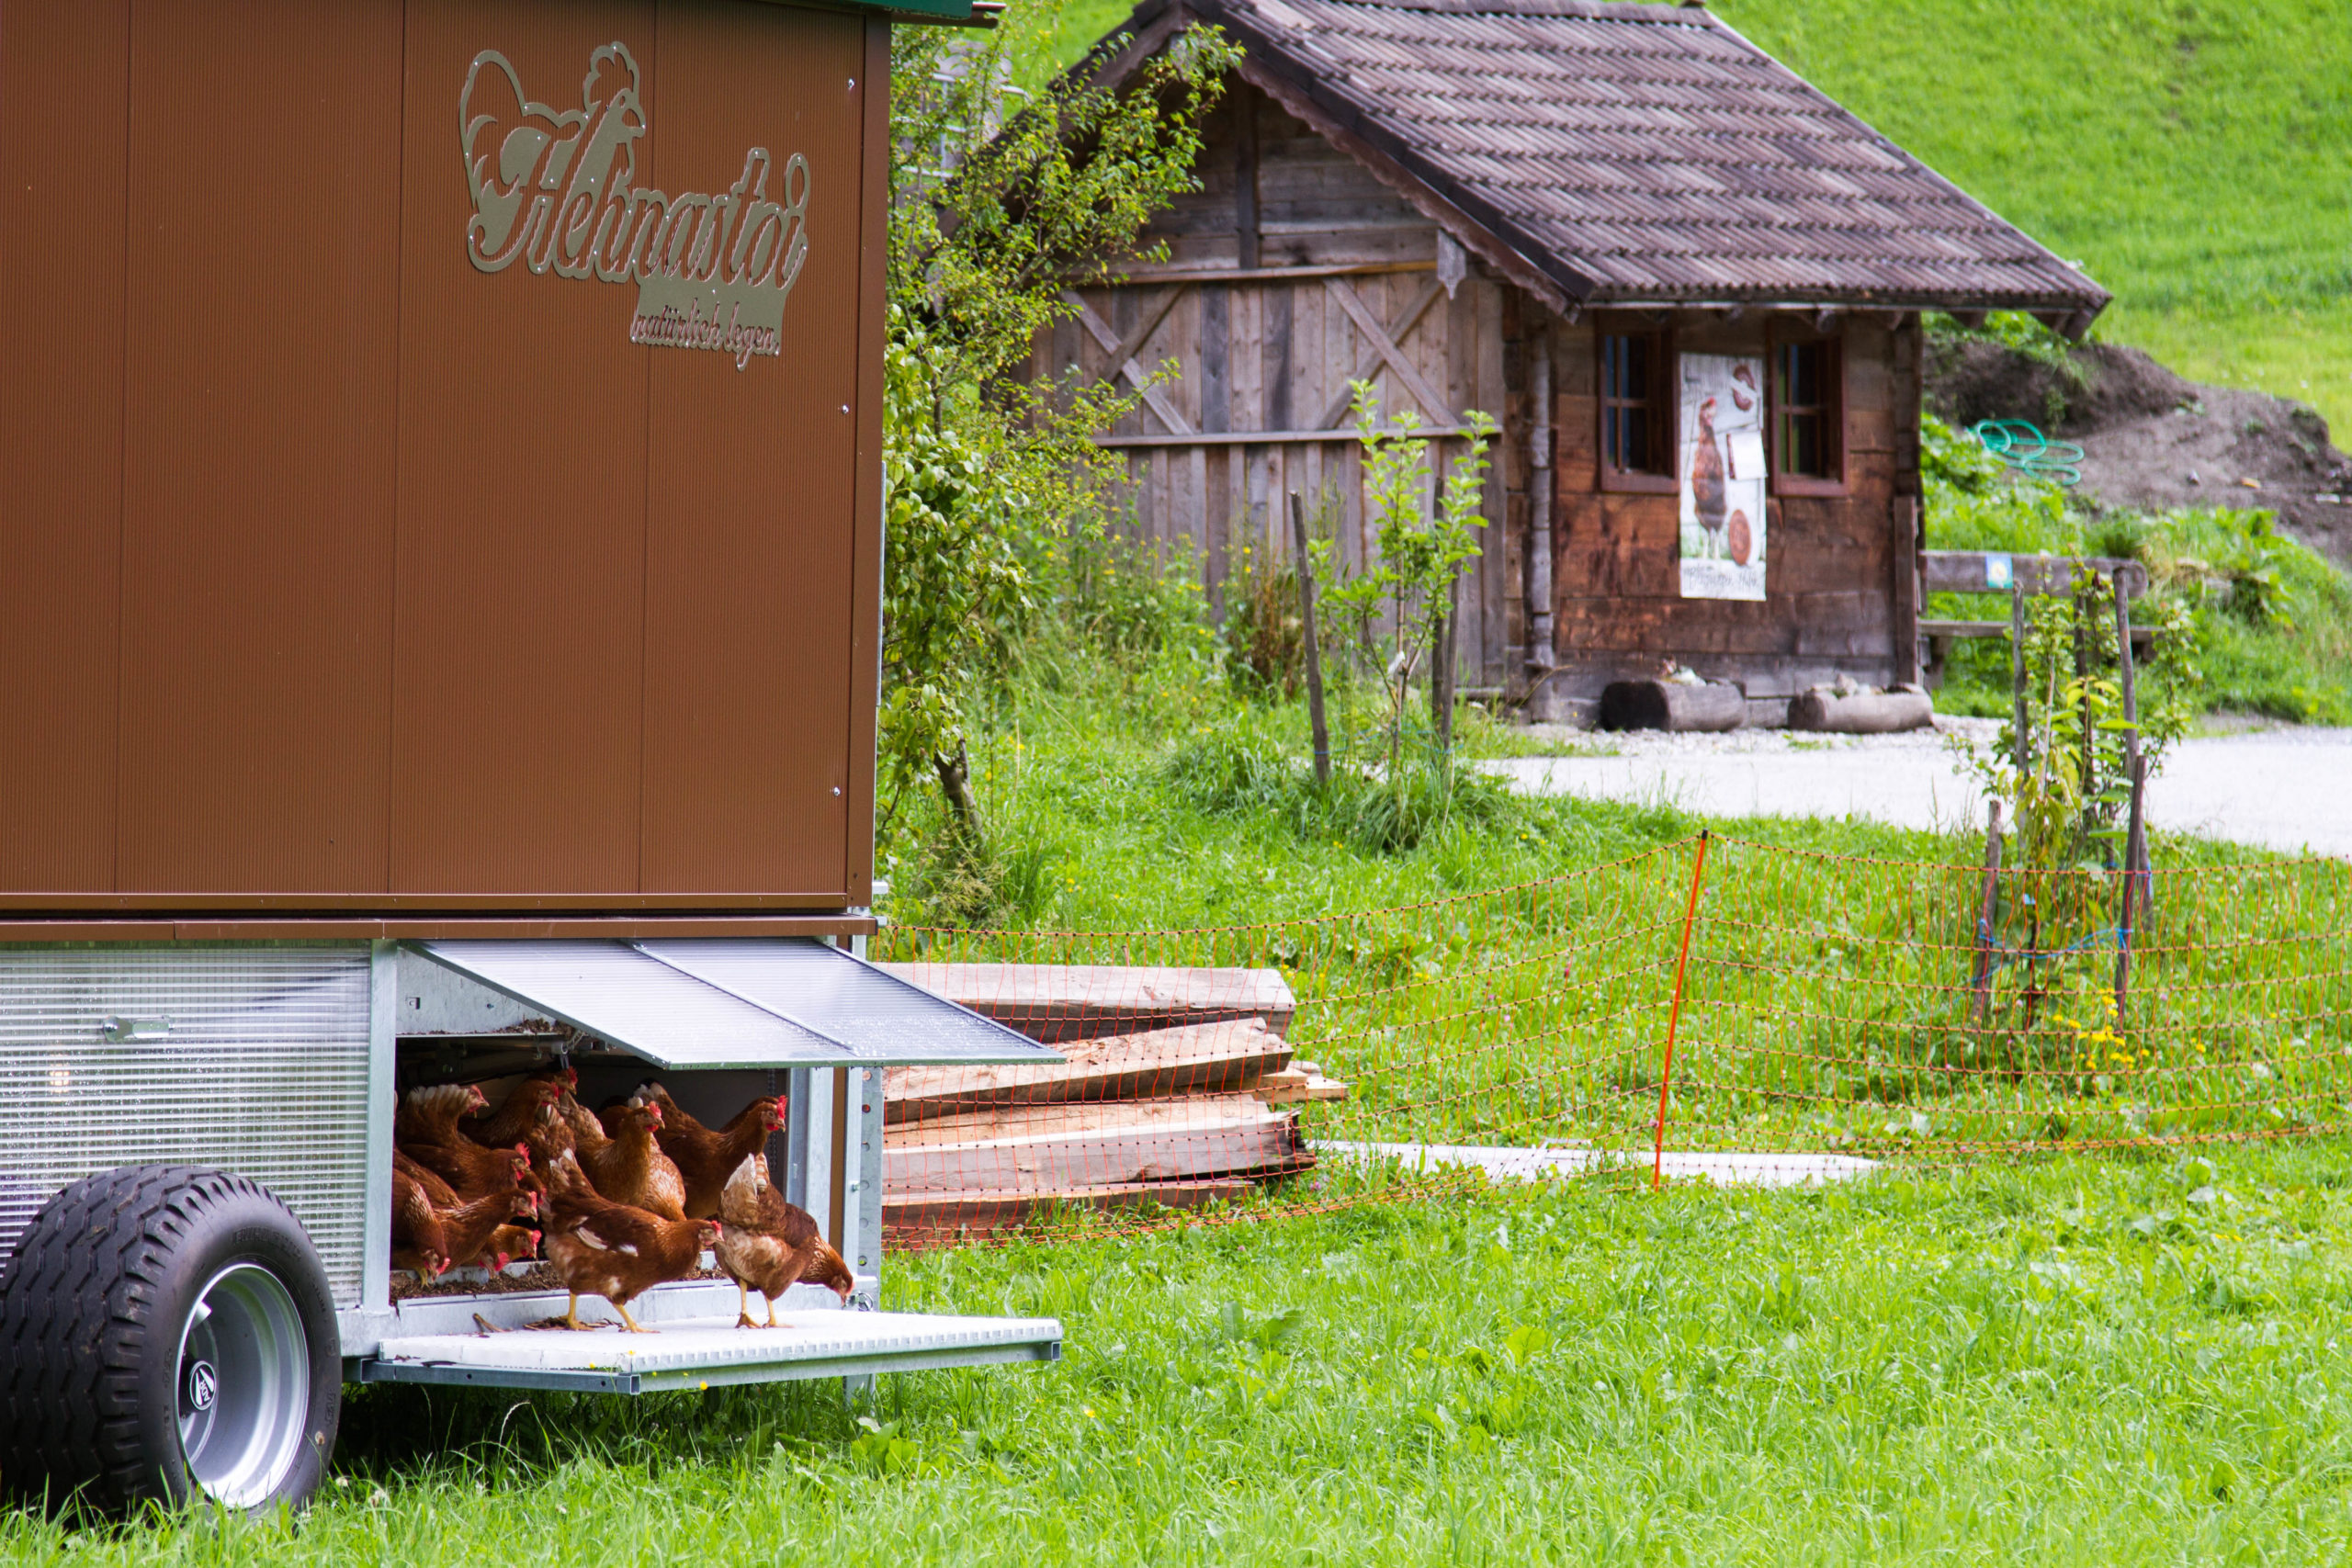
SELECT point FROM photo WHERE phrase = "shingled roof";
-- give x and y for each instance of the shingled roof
(1631, 153)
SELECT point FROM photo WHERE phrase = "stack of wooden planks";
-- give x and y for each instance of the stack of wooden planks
(1178, 1088)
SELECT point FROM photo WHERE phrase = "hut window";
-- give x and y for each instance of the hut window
(1636, 427)
(1807, 415)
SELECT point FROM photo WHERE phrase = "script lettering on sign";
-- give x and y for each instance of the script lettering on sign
(556, 190)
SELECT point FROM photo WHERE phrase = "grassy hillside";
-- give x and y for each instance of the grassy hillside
(2195, 155)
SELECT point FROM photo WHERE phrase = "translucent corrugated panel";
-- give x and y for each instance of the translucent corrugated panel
(735, 1002)
(878, 1016)
(251, 1059)
(617, 994)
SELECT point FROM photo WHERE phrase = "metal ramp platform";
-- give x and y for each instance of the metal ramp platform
(693, 1346)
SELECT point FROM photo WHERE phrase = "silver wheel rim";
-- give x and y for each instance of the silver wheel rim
(243, 1387)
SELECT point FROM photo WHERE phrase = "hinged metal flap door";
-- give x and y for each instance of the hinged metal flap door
(735, 1002)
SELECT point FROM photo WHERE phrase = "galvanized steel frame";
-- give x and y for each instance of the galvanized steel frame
(372, 1370)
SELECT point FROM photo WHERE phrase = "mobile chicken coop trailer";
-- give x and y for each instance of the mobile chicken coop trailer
(441, 531)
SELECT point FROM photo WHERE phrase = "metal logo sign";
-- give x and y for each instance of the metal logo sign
(554, 189)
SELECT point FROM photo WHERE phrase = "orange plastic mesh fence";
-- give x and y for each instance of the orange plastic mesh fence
(1831, 1010)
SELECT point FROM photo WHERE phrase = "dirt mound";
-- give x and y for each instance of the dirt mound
(2151, 439)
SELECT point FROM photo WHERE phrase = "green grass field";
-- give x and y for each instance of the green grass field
(2195, 155)
(2084, 1362)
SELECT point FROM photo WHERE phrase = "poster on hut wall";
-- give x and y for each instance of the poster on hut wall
(1722, 465)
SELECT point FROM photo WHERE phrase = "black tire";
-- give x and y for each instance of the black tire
(104, 1358)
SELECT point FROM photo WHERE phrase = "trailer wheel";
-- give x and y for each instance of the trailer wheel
(166, 1333)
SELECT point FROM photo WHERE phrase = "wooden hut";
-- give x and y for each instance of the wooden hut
(1686, 282)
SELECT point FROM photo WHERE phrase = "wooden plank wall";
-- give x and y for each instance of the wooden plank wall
(1837, 565)
(1247, 312)
(1270, 347)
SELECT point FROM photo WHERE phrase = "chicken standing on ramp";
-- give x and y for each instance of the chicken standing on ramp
(769, 1245)
(602, 1248)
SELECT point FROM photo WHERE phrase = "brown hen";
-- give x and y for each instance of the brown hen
(524, 1110)
(420, 1241)
(707, 1160)
(432, 1141)
(614, 1250)
(632, 1168)
(769, 1245)
(430, 1114)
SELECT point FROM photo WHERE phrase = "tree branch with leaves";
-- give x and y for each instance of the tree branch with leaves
(994, 215)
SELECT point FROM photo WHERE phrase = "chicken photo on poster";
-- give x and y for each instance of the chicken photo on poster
(1722, 464)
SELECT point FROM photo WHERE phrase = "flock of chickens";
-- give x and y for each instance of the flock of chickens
(620, 1200)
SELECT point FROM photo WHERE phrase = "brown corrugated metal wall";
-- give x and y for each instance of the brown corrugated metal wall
(340, 573)
(64, 88)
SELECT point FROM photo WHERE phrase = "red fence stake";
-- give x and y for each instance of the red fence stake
(1674, 1014)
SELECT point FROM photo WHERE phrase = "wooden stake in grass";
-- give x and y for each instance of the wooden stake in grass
(1307, 632)
(2135, 768)
(2134, 844)
(1441, 674)
(1981, 982)
(2017, 675)
(1674, 1014)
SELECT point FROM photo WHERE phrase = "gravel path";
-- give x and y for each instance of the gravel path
(2282, 789)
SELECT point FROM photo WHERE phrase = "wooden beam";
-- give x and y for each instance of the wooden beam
(1211, 273)
(1132, 344)
(937, 1215)
(1969, 571)
(1382, 346)
(1045, 1148)
(1054, 1002)
(1245, 180)
(1198, 1058)
(1123, 364)
(1328, 435)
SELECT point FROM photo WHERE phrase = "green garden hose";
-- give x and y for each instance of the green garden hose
(2025, 448)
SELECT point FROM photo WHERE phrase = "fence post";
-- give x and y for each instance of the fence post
(1314, 649)
(1674, 1014)
(2135, 845)
(1987, 909)
(2023, 749)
